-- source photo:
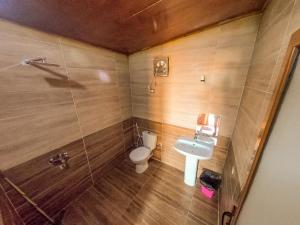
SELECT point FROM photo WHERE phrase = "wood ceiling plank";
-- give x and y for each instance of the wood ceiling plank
(125, 26)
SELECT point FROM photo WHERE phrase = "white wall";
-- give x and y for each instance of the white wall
(274, 198)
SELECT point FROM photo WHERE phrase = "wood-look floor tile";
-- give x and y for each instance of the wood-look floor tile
(161, 206)
(173, 178)
(73, 215)
(114, 194)
(98, 209)
(192, 220)
(140, 214)
(204, 212)
(171, 196)
(156, 197)
(128, 168)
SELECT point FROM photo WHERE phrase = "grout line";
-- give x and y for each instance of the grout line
(75, 106)
(284, 36)
(189, 209)
(250, 64)
(71, 202)
(219, 198)
(34, 113)
(116, 71)
(145, 184)
(11, 203)
(259, 90)
(11, 66)
(130, 83)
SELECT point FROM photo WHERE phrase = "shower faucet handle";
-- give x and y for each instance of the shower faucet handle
(60, 159)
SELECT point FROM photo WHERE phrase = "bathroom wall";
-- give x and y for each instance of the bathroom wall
(273, 197)
(82, 106)
(230, 186)
(279, 21)
(222, 54)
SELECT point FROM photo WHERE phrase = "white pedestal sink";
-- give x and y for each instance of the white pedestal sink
(194, 150)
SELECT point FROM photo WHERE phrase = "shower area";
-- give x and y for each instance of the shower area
(65, 120)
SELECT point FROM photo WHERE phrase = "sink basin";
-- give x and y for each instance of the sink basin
(194, 150)
(200, 149)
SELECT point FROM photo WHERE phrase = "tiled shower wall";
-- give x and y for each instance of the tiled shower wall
(81, 106)
(223, 55)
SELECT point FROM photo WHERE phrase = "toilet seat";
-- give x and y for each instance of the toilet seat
(139, 154)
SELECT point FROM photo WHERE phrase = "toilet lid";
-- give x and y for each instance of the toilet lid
(139, 154)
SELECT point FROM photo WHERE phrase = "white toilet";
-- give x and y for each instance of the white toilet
(141, 155)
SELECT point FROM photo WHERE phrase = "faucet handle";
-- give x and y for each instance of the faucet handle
(60, 160)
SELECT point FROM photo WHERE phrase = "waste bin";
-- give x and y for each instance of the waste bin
(210, 182)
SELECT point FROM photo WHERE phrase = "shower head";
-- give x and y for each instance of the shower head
(38, 61)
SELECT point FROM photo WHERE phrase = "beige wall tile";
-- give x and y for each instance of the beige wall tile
(221, 53)
(279, 21)
(15, 49)
(45, 108)
(27, 136)
(80, 56)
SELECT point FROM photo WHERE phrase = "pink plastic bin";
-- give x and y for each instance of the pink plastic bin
(207, 192)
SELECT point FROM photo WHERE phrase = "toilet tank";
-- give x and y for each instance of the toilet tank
(149, 139)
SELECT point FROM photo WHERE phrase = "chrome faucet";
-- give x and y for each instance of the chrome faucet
(61, 160)
(207, 125)
(199, 133)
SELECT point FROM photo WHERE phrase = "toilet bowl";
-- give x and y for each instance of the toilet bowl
(141, 155)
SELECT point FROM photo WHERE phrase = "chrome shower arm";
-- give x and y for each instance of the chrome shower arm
(38, 61)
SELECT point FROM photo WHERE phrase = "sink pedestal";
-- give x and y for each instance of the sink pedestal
(194, 150)
(190, 172)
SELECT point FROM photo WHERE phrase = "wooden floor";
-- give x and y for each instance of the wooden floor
(157, 197)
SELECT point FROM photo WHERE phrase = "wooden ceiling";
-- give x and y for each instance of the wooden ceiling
(125, 26)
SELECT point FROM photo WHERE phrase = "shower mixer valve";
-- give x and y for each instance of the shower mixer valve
(61, 160)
